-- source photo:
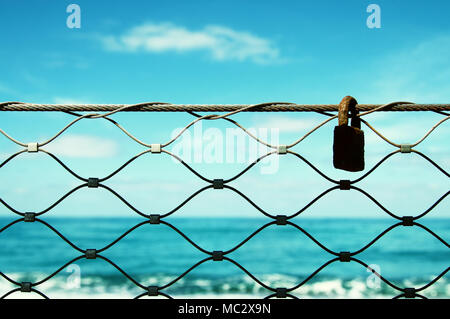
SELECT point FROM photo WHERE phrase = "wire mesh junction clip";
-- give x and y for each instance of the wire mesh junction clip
(410, 292)
(93, 182)
(155, 148)
(281, 292)
(91, 253)
(29, 217)
(281, 220)
(32, 147)
(218, 183)
(344, 184)
(405, 148)
(155, 219)
(25, 286)
(344, 256)
(282, 149)
(217, 255)
(152, 291)
(408, 221)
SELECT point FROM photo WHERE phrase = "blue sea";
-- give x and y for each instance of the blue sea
(279, 256)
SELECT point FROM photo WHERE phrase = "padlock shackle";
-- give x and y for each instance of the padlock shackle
(347, 104)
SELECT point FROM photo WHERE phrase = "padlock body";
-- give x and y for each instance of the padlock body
(348, 148)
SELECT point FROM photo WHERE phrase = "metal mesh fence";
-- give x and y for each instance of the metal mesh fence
(274, 220)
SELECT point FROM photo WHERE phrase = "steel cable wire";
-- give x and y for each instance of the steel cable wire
(278, 219)
(224, 253)
(215, 117)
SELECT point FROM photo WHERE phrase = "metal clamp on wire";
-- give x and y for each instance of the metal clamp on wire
(152, 291)
(281, 220)
(345, 256)
(93, 182)
(90, 253)
(25, 286)
(218, 183)
(217, 255)
(281, 293)
(32, 147)
(405, 148)
(155, 148)
(29, 217)
(282, 149)
(155, 219)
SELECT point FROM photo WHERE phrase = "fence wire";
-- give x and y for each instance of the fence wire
(275, 220)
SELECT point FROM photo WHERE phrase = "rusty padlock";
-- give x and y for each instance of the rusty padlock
(348, 145)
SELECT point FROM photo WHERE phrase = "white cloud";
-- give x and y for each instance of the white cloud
(220, 42)
(82, 146)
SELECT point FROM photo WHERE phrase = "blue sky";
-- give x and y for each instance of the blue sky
(222, 52)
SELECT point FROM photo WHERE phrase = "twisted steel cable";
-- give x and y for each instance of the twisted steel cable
(168, 107)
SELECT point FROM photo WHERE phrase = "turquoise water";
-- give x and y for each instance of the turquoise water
(279, 256)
